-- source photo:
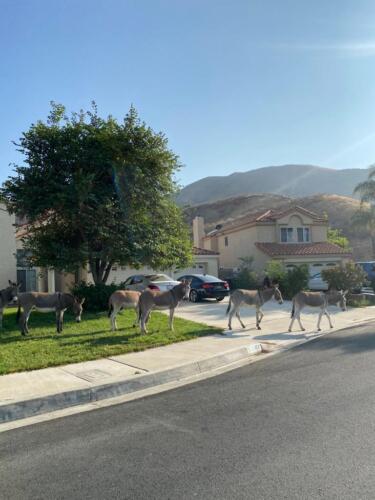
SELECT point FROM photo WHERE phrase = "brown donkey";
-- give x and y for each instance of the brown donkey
(151, 299)
(47, 302)
(123, 299)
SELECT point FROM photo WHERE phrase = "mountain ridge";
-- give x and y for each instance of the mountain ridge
(293, 180)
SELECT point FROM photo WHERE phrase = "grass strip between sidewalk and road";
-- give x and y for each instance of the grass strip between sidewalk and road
(88, 340)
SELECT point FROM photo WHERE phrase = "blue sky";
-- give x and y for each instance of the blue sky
(235, 85)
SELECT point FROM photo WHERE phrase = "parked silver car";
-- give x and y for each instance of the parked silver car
(140, 282)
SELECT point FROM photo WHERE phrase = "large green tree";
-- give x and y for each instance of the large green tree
(98, 191)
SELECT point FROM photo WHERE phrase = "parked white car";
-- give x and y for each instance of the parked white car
(140, 282)
(316, 282)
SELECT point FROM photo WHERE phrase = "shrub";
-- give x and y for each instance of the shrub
(96, 296)
(295, 280)
(347, 276)
(276, 271)
(291, 281)
(246, 277)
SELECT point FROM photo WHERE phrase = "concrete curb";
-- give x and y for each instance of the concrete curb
(29, 408)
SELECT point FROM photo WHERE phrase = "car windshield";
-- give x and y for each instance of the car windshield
(159, 277)
(206, 277)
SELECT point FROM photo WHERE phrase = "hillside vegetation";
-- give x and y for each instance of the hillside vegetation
(338, 208)
(287, 180)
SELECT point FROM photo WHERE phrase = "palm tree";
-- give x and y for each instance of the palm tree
(364, 218)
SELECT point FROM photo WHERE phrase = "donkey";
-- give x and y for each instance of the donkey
(316, 299)
(7, 295)
(254, 298)
(152, 299)
(122, 299)
(47, 302)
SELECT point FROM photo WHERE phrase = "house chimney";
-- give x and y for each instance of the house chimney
(198, 231)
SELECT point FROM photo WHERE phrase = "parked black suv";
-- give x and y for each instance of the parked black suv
(204, 286)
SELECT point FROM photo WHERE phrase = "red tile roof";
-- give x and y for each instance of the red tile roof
(203, 251)
(301, 249)
(261, 217)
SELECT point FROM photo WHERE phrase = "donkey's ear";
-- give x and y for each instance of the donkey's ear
(82, 301)
(10, 283)
(345, 293)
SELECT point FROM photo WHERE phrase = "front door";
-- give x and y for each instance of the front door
(27, 278)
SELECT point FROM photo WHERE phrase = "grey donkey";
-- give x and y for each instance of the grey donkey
(151, 299)
(255, 298)
(316, 299)
(47, 302)
(8, 294)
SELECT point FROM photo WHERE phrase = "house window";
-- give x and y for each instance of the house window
(291, 235)
(226, 241)
(286, 234)
(303, 234)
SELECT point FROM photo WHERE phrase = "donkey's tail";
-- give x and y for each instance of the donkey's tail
(110, 309)
(293, 309)
(229, 305)
(18, 314)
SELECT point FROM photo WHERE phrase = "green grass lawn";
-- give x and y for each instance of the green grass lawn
(90, 339)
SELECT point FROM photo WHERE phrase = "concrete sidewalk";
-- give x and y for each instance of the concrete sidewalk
(36, 392)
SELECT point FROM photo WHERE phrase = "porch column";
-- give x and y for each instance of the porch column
(51, 281)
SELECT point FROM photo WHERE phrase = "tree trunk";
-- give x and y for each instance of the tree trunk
(100, 270)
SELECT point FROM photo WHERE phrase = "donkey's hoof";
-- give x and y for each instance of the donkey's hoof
(243, 326)
(289, 330)
(331, 326)
(258, 328)
(319, 329)
(303, 329)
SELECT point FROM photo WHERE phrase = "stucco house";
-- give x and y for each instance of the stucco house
(205, 261)
(293, 237)
(7, 248)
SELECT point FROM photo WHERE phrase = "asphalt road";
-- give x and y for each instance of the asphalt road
(299, 425)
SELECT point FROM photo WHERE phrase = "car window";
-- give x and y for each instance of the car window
(159, 277)
(136, 280)
(209, 279)
(128, 281)
(195, 282)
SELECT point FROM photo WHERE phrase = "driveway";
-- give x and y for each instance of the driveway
(276, 319)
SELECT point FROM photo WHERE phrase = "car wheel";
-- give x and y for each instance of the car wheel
(194, 297)
(219, 299)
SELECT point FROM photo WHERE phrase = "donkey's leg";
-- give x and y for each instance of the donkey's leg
(296, 316)
(171, 314)
(26, 319)
(231, 314)
(328, 317)
(320, 318)
(299, 320)
(59, 321)
(257, 315)
(291, 322)
(113, 318)
(22, 321)
(136, 322)
(261, 315)
(1, 316)
(238, 316)
(144, 317)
